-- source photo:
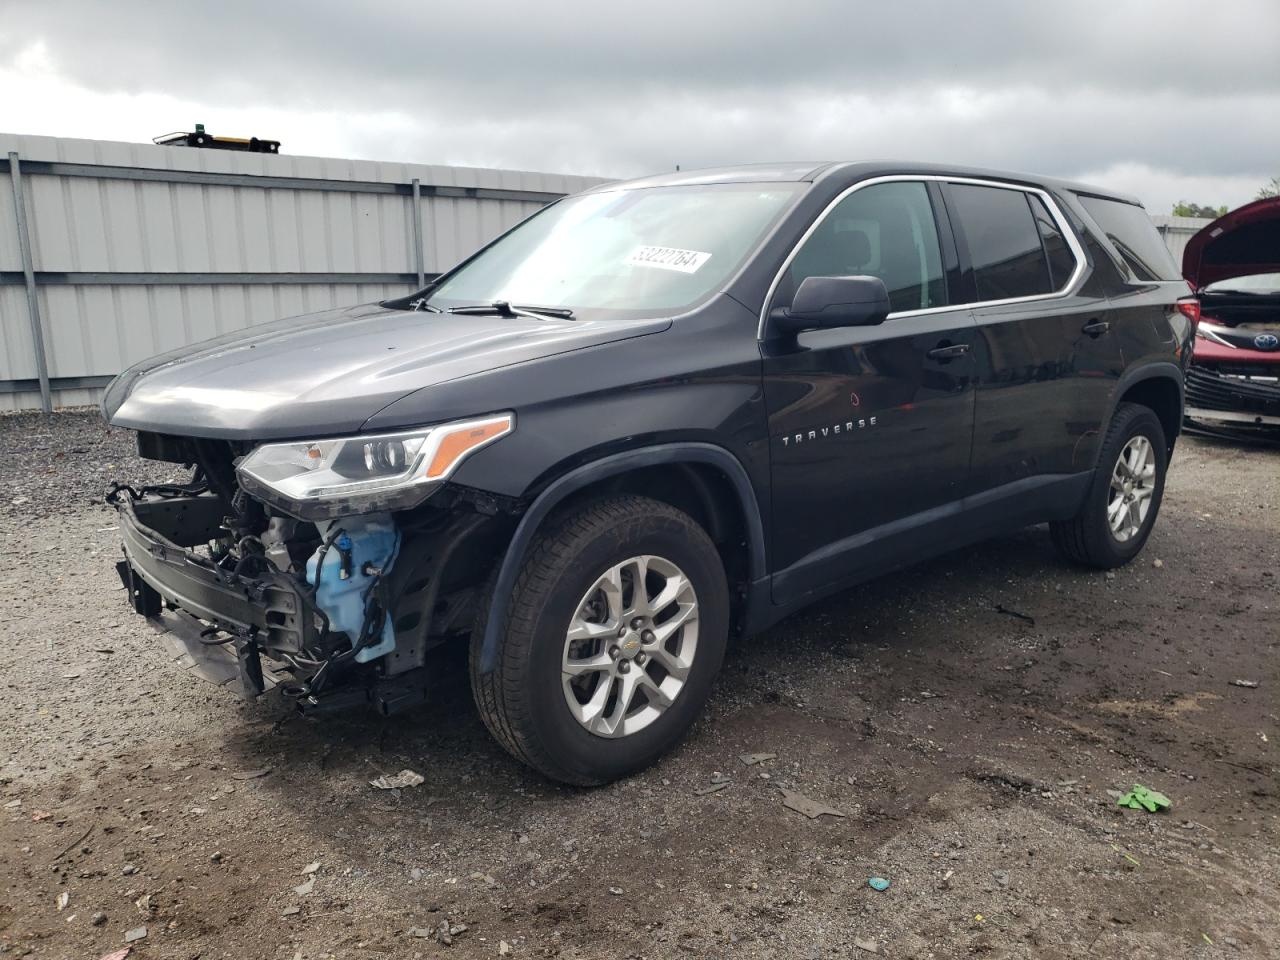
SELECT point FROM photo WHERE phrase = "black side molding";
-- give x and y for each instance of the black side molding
(1153, 370)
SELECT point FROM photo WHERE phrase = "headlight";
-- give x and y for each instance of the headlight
(318, 479)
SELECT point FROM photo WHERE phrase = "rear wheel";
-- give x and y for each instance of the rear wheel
(615, 630)
(1124, 495)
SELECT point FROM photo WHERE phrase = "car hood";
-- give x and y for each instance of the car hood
(327, 373)
(1237, 244)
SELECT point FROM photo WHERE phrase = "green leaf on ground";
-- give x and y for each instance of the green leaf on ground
(1144, 798)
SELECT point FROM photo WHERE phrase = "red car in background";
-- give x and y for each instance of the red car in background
(1233, 265)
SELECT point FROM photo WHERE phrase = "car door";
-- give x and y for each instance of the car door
(1046, 356)
(869, 427)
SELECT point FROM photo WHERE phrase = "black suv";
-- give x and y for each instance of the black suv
(650, 416)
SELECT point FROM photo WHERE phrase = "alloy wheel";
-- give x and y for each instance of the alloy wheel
(1133, 483)
(630, 646)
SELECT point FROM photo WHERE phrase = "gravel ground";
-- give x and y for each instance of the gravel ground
(968, 717)
(61, 464)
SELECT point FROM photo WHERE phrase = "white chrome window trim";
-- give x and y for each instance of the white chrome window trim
(1055, 212)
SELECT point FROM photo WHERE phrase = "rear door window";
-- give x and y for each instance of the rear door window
(1004, 242)
(1134, 238)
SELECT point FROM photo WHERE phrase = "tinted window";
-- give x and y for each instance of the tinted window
(1004, 243)
(1134, 236)
(1062, 262)
(885, 230)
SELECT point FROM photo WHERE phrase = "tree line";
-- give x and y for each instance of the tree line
(1184, 208)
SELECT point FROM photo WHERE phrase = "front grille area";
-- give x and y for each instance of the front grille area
(1247, 370)
(1221, 388)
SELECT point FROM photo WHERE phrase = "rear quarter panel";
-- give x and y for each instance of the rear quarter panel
(1153, 338)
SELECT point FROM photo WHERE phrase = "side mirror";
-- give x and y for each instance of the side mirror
(822, 303)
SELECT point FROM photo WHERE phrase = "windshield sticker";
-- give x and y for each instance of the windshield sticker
(668, 258)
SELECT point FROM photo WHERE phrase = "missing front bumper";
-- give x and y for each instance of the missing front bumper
(237, 667)
(250, 633)
(270, 607)
(225, 624)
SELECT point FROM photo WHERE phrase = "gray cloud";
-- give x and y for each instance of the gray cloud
(1179, 87)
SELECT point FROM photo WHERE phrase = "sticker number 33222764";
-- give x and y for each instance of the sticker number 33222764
(668, 258)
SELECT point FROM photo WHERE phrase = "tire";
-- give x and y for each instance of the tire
(1088, 538)
(525, 700)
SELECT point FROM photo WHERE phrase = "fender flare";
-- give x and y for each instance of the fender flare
(594, 472)
(1159, 370)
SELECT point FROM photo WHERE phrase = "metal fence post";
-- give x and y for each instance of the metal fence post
(28, 274)
(417, 233)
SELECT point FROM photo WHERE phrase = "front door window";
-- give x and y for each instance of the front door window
(885, 230)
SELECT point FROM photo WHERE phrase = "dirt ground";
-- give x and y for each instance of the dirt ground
(969, 717)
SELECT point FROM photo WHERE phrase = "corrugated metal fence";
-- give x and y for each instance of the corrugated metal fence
(113, 252)
(1176, 231)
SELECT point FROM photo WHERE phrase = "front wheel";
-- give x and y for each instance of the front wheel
(615, 630)
(1124, 494)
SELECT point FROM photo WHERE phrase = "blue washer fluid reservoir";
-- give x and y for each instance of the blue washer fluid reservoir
(369, 542)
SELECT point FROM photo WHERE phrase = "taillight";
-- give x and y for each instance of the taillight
(1191, 310)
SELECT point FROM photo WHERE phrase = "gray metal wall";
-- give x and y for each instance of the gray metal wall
(1177, 231)
(137, 249)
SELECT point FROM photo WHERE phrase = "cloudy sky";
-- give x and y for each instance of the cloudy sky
(1167, 99)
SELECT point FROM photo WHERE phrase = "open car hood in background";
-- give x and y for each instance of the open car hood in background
(1243, 242)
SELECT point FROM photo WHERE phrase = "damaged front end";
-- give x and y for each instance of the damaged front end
(266, 580)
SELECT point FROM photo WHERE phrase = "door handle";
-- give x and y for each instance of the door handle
(948, 352)
(1095, 328)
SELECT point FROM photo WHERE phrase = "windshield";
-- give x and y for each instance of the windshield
(646, 250)
(1257, 283)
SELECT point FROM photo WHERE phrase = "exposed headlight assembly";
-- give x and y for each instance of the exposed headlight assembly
(320, 479)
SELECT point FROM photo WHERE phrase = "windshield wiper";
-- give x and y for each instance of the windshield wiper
(421, 304)
(503, 309)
